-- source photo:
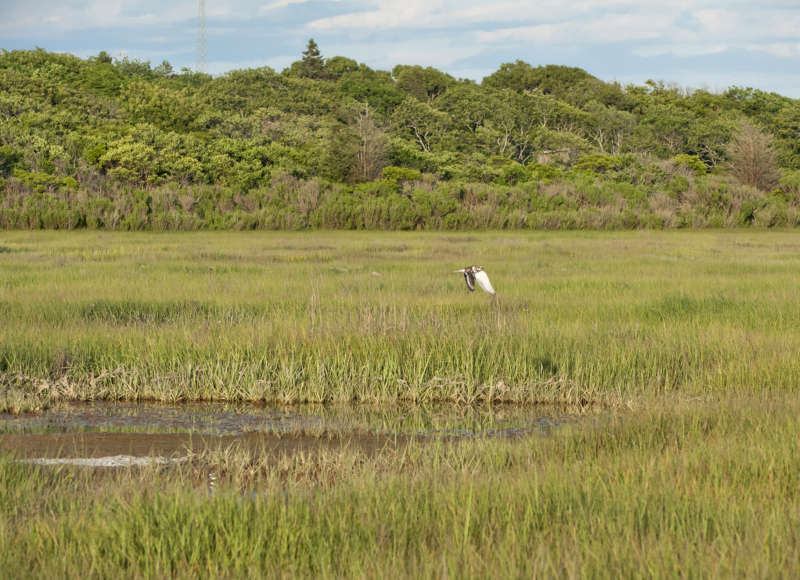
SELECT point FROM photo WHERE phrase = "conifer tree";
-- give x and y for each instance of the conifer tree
(313, 66)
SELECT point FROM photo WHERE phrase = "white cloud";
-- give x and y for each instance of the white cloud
(682, 28)
(20, 17)
(398, 14)
(279, 4)
(656, 29)
(766, 24)
(681, 50)
(387, 14)
(610, 28)
(783, 50)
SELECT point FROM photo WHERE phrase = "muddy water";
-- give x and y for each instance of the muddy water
(120, 433)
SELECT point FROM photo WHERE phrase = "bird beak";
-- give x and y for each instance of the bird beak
(461, 271)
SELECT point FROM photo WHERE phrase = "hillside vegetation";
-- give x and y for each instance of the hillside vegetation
(331, 143)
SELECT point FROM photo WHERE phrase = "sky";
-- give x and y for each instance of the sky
(701, 44)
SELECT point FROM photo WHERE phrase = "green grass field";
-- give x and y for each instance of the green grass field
(606, 318)
(684, 344)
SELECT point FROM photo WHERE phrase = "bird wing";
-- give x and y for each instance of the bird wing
(483, 282)
(469, 278)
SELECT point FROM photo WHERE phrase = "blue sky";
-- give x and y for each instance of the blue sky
(709, 44)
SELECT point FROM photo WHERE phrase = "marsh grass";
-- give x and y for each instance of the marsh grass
(687, 341)
(602, 318)
(693, 490)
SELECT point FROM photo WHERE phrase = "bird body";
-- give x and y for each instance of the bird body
(473, 274)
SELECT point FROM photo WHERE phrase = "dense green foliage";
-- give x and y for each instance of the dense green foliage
(331, 143)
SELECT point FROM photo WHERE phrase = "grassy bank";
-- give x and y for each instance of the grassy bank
(703, 491)
(579, 317)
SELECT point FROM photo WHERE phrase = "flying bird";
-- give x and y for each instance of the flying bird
(474, 274)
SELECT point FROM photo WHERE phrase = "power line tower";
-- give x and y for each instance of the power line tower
(201, 65)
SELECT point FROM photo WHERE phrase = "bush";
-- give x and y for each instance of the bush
(9, 158)
(41, 182)
(598, 163)
(747, 213)
(691, 162)
(94, 153)
(790, 183)
(400, 175)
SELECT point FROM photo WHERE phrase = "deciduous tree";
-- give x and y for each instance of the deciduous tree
(752, 159)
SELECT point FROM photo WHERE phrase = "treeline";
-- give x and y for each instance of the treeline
(331, 143)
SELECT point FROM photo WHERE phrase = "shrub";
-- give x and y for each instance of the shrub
(401, 175)
(747, 213)
(790, 183)
(691, 162)
(94, 153)
(598, 163)
(9, 158)
(41, 182)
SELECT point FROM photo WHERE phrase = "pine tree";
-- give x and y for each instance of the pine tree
(313, 64)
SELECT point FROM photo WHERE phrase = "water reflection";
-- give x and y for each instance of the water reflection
(239, 419)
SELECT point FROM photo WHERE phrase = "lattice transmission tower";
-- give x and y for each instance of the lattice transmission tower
(201, 64)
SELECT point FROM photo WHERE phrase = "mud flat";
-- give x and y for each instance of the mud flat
(118, 430)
